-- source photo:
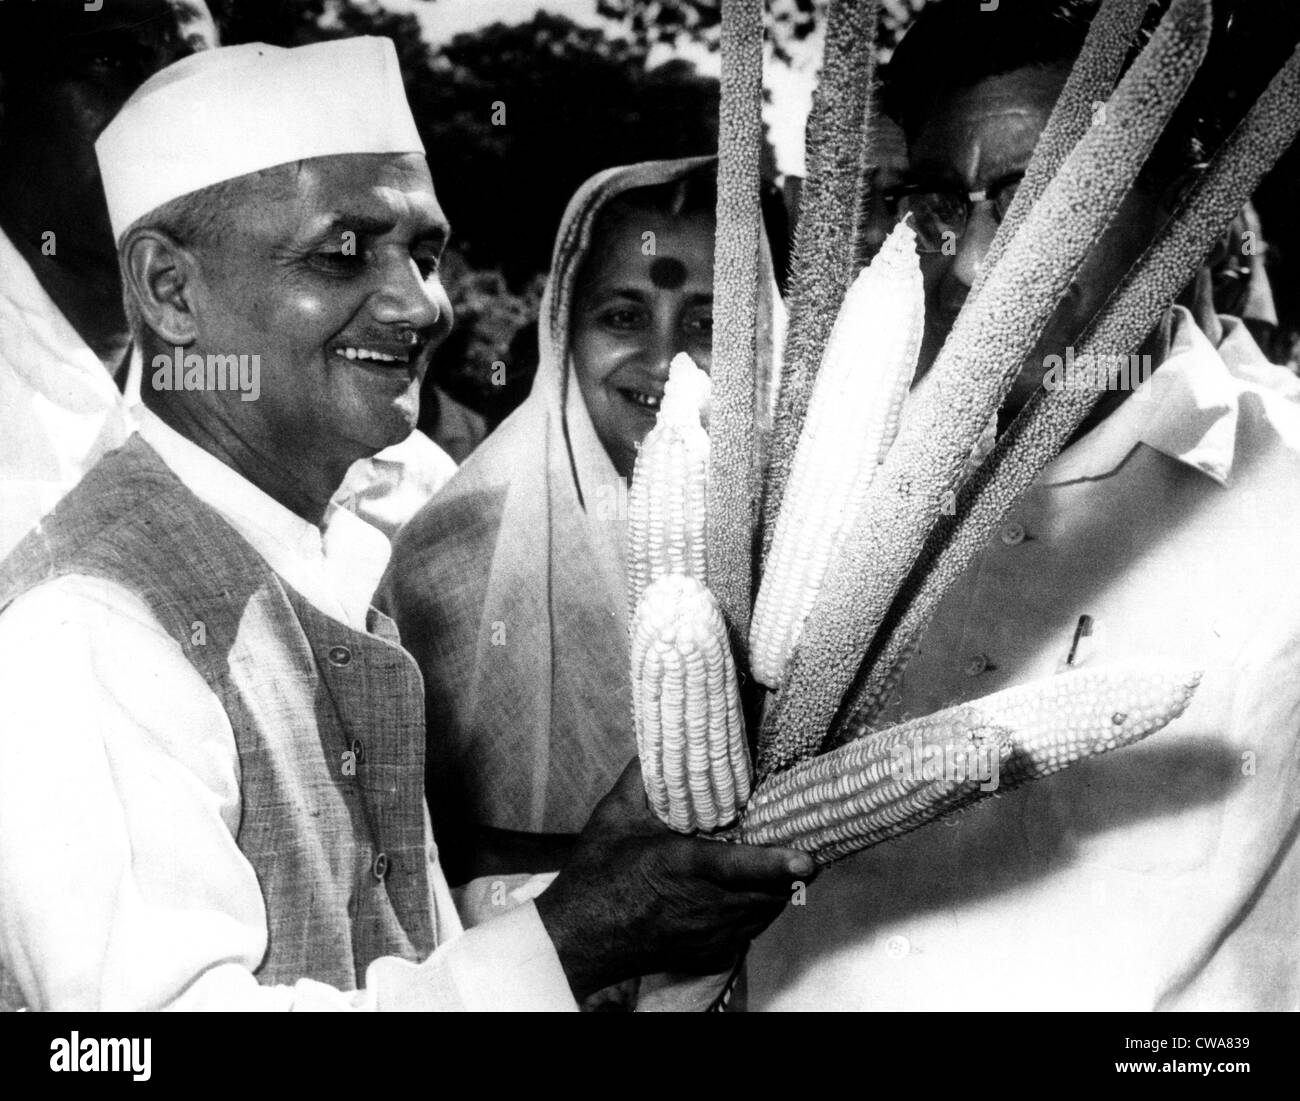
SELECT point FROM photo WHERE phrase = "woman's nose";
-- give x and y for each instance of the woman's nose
(663, 343)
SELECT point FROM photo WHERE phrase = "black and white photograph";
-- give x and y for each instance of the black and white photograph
(623, 506)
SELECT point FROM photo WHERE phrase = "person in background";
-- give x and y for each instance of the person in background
(227, 739)
(1164, 876)
(510, 587)
(64, 341)
(68, 379)
(1234, 281)
(887, 172)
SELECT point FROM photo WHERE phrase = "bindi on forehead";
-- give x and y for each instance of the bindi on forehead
(668, 273)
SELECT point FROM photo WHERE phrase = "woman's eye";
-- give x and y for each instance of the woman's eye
(701, 326)
(427, 264)
(622, 319)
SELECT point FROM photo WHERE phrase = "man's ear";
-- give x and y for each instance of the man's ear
(161, 275)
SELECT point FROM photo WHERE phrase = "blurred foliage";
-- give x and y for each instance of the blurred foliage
(789, 22)
(489, 361)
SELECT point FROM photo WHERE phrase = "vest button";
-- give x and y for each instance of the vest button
(977, 665)
(340, 655)
(358, 750)
(379, 868)
(1013, 534)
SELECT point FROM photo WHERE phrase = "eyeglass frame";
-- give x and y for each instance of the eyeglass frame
(893, 196)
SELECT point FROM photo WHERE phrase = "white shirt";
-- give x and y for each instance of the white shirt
(1163, 876)
(61, 412)
(121, 885)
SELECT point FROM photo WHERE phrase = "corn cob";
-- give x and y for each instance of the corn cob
(1051, 418)
(690, 732)
(667, 503)
(734, 474)
(830, 213)
(1090, 82)
(852, 420)
(863, 791)
(1085, 712)
(973, 372)
(841, 801)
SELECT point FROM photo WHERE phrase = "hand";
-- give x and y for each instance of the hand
(636, 898)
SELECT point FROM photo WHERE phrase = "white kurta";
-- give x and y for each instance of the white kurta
(1164, 876)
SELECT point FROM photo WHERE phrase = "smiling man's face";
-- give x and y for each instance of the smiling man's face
(330, 275)
(632, 313)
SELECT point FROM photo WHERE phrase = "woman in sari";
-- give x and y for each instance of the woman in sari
(510, 587)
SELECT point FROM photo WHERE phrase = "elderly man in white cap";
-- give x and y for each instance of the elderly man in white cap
(216, 799)
(68, 376)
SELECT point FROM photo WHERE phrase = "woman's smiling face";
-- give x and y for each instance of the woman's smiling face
(640, 300)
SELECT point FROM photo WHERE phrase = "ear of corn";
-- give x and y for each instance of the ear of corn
(734, 475)
(686, 708)
(1084, 712)
(667, 502)
(975, 368)
(852, 420)
(868, 790)
(830, 211)
(857, 796)
(1051, 418)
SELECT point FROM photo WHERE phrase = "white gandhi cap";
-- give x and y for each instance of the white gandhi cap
(220, 114)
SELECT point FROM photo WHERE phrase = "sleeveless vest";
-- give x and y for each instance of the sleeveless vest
(328, 721)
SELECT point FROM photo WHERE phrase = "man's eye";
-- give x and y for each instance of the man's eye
(113, 63)
(428, 264)
(1004, 197)
(337, 260)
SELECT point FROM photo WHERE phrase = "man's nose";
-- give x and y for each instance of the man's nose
(406, 297)
(974, 244)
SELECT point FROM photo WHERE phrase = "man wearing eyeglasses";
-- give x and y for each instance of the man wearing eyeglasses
(1164, 876)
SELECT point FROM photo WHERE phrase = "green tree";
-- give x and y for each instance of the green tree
(789, 22)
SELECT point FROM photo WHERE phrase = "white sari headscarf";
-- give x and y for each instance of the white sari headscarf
(510, 587)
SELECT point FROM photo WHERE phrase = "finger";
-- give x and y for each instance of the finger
(743, 867)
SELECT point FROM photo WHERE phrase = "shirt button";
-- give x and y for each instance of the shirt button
(358, 750)
(340, 655)
(1013, 534)
(978, 664)
(379, 868)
